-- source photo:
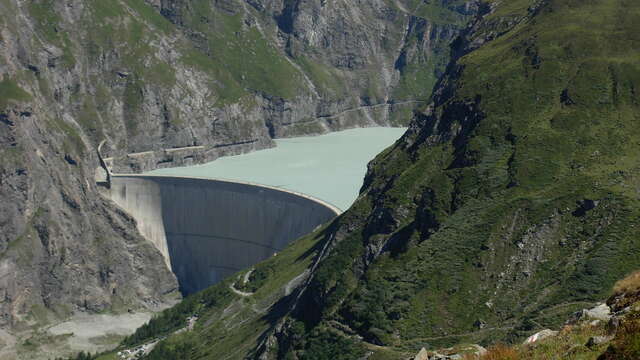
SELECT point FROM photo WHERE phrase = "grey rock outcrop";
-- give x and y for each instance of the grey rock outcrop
(598, 340)
(601, 312)
(423, 354)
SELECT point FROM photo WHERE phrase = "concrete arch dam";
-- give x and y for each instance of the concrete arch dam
(209, 229)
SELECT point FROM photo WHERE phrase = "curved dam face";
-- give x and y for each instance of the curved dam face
(209, 229)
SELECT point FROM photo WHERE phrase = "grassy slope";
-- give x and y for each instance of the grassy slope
(572, 342)
(229, 325)
(493, 213)
(486, 209)
(238, 55)
(10, 91)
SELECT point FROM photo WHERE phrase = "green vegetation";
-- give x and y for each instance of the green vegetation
(436, 13)
(418, 72)
(329, 345)
(88, 118)
(172, 350)
(175, 318)
(568, 344)
(73, 142)
(626, 344)
(238, 57)
(49, 25)
(514, 178)
(227, 88)
(81, 356)
(327, 81)
(44, 13)
(133, 99)
(232, 322)
(572, 342)
(9, 90)
(148, 14)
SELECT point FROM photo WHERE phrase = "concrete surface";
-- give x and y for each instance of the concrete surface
(209, 229)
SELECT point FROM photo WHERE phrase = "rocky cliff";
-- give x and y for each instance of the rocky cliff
(168, 83)
(512, 201)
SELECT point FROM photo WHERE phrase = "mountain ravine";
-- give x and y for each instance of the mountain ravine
(208, 77)
(512, 201)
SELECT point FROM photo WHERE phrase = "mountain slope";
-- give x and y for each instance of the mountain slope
(209, 77)
(512, 201)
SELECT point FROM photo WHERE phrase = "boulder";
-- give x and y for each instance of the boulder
(422, 355)
(540, 335)
(601, 312)
(597, 340)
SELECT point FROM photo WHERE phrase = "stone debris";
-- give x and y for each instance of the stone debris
(451, 354)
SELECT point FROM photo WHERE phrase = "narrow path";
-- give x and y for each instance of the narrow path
(238, 292)
(363, 107)
(245, 278)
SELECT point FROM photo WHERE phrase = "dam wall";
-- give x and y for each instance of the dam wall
(209, 229)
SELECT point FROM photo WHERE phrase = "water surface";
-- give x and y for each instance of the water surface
(330, 167)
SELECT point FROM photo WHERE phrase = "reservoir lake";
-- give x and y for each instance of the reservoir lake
(330, 167)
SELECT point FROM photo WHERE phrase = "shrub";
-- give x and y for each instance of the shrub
(626, 345)
(500, 352)
(629, 284)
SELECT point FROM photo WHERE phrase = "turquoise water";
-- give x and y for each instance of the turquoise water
(330, 167)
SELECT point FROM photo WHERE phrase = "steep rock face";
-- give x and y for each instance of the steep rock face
(512, 201)
(168, 83)
(345, 64)
(63, 248)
